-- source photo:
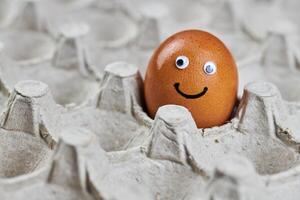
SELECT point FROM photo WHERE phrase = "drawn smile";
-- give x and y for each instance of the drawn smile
(190, 96)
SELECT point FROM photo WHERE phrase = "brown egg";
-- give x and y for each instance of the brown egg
(193, 69)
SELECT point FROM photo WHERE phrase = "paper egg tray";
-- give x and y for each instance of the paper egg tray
(73, 122)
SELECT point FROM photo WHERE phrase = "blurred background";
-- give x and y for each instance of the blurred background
(68, 43)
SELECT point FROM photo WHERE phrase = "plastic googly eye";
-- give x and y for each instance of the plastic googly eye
(210, 68)
(182, 62)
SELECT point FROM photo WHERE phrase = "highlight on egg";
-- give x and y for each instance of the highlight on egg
(194, 69)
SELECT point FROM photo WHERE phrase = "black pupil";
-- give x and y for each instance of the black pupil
(179, 62)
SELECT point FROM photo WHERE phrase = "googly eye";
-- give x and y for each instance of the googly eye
(210, 68)
(182, 62)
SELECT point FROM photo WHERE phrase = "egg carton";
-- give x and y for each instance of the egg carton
(166, 158)
(92, 139)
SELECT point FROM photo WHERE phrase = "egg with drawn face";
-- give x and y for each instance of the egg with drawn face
(193, 69)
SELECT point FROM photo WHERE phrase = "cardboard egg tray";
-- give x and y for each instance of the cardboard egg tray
(73, 122)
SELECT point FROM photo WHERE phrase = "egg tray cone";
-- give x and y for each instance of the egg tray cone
(79, 129)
